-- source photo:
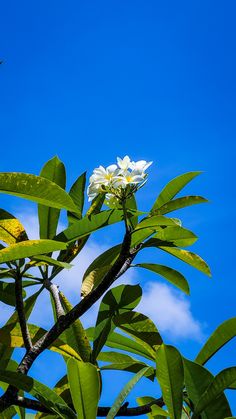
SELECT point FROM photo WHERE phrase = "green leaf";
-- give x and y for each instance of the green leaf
(77, 194)
(131, 204)
(117, 300)
(220, 383)
(101, 332)
(53, 170)
(96, 205)
(179, 203)
(140, 327)
(120, 298)
(232, 386)
(12, 337)
(170, 375)
(53, 262)
(197, 380)
(222, 335)
(175, 236)
(172, 188)
(29, 248)
(11, 229)
(123, 362)
(7, 293)
(124, 393)
(156, 410)
(124, 343)
(98, 268)
(37, 189)
(188, 257)
(62, 388)
(84, 386)
(138, 236)
(87, 225)
(41, 392)
(76, 336)
(173, 276)
(9, 413)
(156, 221)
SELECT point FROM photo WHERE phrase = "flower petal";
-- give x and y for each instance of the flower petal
(111, 168)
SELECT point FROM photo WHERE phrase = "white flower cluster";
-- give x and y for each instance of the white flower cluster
(119, 180)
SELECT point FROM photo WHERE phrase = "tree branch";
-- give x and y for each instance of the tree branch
(21, 312)
(65, 321)
(102, 411)
(54, 291)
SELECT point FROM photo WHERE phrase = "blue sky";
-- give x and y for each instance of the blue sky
(90, 81)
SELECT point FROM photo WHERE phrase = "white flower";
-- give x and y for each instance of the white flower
(140, 165)
(102, 179)
(124, 163)
(127, 178)
(104, 176)
(114, 180)
(93, 190)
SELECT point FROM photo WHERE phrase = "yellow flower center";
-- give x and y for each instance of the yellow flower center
(129, 178)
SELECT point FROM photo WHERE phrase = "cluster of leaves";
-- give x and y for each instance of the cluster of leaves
(188, 389)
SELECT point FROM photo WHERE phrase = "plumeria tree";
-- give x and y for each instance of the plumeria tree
(121, 338)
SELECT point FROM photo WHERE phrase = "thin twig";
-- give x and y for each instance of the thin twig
(21, 311)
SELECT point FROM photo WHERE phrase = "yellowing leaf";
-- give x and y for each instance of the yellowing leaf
(11, 229)
(188, 257)
(93, 279)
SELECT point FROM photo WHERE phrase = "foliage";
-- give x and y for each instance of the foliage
(185, 389)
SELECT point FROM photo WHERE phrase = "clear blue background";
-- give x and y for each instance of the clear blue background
(153, 79)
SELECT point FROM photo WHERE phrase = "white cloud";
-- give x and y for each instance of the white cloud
(170, 311)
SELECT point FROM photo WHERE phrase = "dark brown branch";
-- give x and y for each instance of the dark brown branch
(54, 291)
(102, 411)
(21, 312)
